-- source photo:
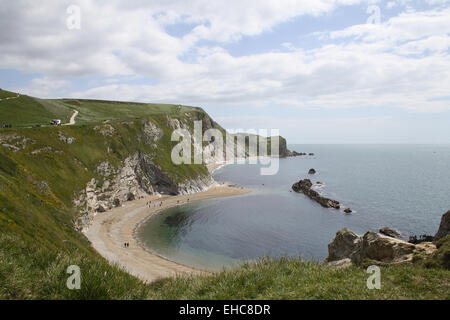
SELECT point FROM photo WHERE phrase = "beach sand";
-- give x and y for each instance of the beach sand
(110, 230)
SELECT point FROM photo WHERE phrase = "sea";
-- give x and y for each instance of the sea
(404, 187)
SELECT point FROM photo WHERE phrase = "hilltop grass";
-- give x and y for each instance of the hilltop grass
(6, 94)
(27, 111)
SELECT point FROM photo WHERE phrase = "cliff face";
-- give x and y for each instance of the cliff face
(143, 172)
(138, 177)
(116, 152)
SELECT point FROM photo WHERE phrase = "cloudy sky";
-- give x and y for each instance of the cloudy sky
(322, 71)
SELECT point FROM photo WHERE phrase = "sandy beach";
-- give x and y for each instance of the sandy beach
(110, 230)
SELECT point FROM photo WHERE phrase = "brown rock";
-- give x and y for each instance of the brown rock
(344, 245)
(304, 186)
(378, 248)
(444, 228)
(389, 232)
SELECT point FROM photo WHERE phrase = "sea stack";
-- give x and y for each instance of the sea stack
(304, 186)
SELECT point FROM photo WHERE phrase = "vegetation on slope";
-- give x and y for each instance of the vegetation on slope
(297, 279)
(40, 174)
(29, 111)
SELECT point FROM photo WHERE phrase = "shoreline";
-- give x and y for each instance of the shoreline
(109, 231)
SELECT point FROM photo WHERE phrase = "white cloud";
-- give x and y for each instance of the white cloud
(402, 63)
(44, 87)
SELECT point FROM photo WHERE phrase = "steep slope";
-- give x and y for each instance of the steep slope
(51, 176)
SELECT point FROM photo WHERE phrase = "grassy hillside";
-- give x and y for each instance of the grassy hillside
(28, 111)
(296, 279)
(41, 173)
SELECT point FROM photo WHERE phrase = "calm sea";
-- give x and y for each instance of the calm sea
(405, 187)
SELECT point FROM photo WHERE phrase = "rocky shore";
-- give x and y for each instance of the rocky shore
(348, 248)
(305, 186)
(289, 153)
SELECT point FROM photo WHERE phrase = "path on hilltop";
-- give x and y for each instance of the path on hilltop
(8, 98)
(72, 118)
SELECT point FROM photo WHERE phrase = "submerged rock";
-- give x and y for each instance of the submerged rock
(348, 210)
(312, 171)
(304, 186)
(389, 232)
(444, 227)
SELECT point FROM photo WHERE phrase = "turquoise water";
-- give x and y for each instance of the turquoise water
(405, 187)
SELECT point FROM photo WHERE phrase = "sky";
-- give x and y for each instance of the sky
(322, 71)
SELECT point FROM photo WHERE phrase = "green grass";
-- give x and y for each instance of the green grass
(38, 240)
(27, 111)
(6, 94)
(296, 279)
(28, 271)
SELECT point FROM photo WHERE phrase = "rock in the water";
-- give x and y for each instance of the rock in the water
(389, 232)
(304, 186)
(294, 154)
(348, 210)
(312, 171)
(378, 248)
(444, 228)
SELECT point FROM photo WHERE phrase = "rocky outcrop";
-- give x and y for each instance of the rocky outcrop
(68, 140)
(138, 177)
(348, 211)
(312, 171)
(15, 142)
(107, 130)
(152, 133)
(389, 232)
(295, 154)
(374, 247)
(444, 227)
(305, 187)
(344, 246)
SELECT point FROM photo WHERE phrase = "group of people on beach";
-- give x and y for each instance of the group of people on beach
(149, 203)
